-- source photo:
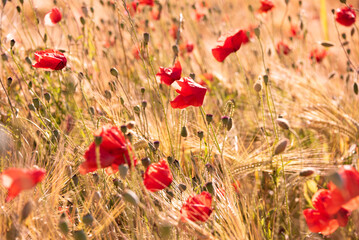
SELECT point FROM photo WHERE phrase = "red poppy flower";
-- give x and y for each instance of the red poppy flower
(156, 14)
(53, 17)
(147, 2)
(171, 74)
(19, 179)
(228, 44)
(324, 218)
(158, 176)
(50, 59)
(189, 47)
(115, 150)
(282, 48)
(318, 54)
(197, 208)
(132, 7)
(345, 16)
(266, 6)
(347, 195)
(136, 52)
(190, 94)
(173, 31)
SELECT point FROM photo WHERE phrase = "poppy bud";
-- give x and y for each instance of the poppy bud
(209, 188)
(4, 57)
(130, 124)
(257, 86)
(144, 104)
(96, 197)
(79, 235)
(130, 197)
(36, 103)
(95, 177)
(182, 187)
(64, 227)
(229, 124)
(265, 79)
(124, 129)
(146, 162)
(176, 164)
(92, 110)
(281, 146)
(98, 140)
(9, 81)
(12, 43)
(175, 49)
(200, 135)
(123, 169)
(75, 179)
(169, 194)
(137, 109)
(170, 159)
(209, 118)
(192, 75)
(184, 131)
(31, 107)
(114, 72)
(143, 90)
(156, 144)
(87, 219)
(306, 172)
(283, 123)
(225, 120)
(129, 136)
(108, 94)
(146, 38)
(82, 20)
(26, 210)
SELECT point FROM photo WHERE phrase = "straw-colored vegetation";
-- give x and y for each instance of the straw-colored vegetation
(48, 118)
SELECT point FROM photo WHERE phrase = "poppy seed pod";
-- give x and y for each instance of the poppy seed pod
(209, 118)
(79, 235)
(281, 146)
(283, 123)
(257, 86)
(144, 104)
(184, 131)
(156, 144)
(26, 210)
(130, 197)
(306, 172)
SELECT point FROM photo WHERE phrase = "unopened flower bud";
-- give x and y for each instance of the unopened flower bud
(124, 129)
(225, 120)
(283, 123)
(114, 72)
(130, 197)
(144, 104)
(146, 162)
(184, 131)
(200, 134)
(281, 146)
(156, 144)
(98, 140)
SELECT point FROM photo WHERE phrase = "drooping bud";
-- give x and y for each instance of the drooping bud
(281, 146)
(283, 123)
(306, 172)
(130, 197)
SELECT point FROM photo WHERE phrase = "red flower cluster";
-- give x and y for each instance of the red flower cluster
(53, 17)
(171, 74)
(197, 208)
(266, 6)
(282, 48)
(114, 150)
(229, 43)
(190, 94)
(158, 176)
(50, 59)
(20, 179)
(318, 54)
(333, 206)
(345, 16)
